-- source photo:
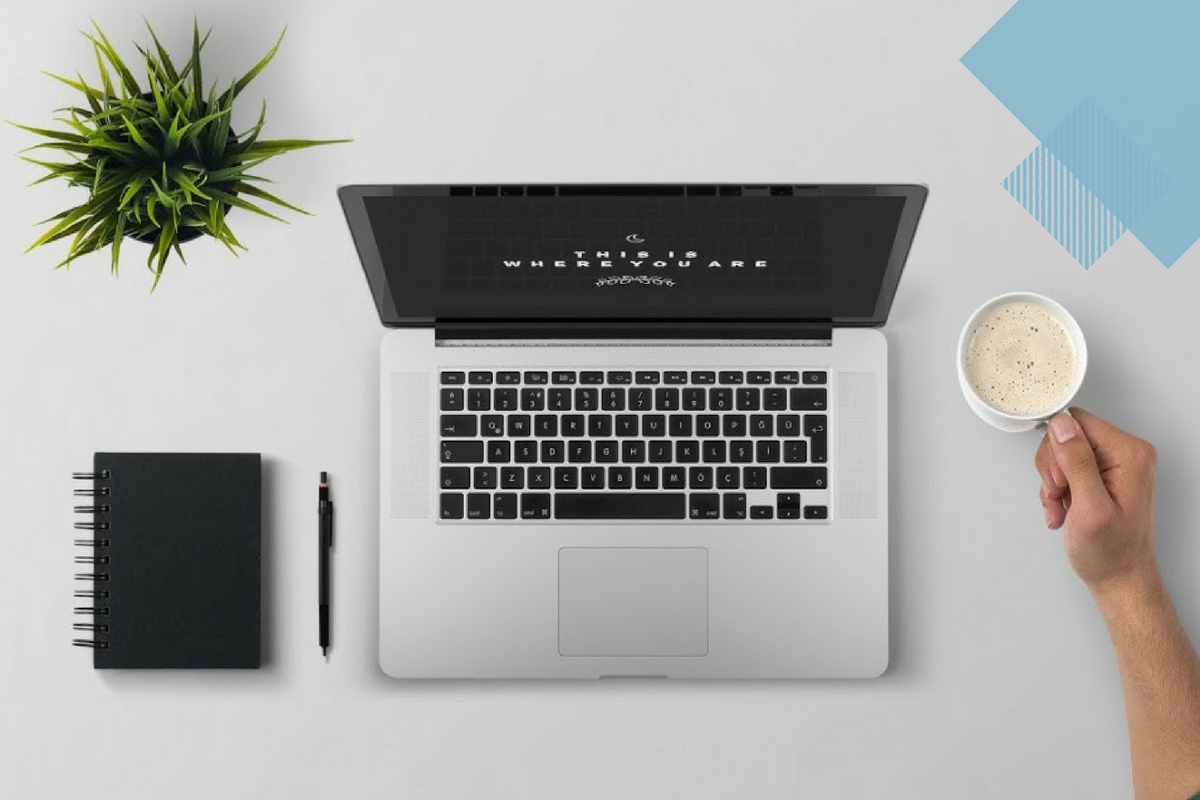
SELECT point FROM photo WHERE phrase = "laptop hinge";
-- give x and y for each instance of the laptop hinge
(712, 330)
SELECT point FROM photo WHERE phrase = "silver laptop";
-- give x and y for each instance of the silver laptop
(633, 430)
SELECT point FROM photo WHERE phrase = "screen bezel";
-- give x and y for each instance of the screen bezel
(353, 199)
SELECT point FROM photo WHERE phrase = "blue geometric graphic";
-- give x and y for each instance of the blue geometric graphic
(1084, 75)
(1063, 206)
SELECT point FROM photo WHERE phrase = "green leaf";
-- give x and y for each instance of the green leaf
(49, 133)
(163, 197)
(128, 82)
(164, 57)
(243, 81)
(92, 96)
(174, 136)
(140, 141)
(118, 235)
(238, 202)
(254, 191)
(197, 46)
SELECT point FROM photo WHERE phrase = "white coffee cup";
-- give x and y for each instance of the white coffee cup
(1017, 423)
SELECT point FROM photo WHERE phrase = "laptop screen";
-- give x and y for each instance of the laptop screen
(610, 253)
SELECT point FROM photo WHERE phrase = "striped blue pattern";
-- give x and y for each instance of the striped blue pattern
(1063, 206)
(1106, 162)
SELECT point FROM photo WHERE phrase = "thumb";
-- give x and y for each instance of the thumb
(1075, 457)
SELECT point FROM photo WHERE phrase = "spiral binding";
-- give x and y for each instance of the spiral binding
(97, 559)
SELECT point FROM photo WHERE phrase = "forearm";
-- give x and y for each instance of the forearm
(1160, 674)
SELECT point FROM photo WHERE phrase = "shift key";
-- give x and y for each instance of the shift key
(462, 452)
(799, 478)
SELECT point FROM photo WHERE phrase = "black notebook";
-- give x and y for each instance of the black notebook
(174, 558)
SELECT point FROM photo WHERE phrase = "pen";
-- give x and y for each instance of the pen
(325, 541)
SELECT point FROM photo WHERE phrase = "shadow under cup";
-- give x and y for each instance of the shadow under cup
(1017, 423)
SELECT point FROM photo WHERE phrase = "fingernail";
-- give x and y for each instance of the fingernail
(1046, 514)
(1063, 428)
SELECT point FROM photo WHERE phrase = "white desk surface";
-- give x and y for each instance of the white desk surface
(1002, 681)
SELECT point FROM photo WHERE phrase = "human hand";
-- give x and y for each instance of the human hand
(1098, 480)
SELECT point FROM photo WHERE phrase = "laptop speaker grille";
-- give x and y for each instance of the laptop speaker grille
(410, 455)
(856, 490)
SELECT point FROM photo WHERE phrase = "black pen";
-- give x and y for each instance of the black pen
(325, 540)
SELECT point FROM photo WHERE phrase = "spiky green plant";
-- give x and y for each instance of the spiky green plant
(160, 163)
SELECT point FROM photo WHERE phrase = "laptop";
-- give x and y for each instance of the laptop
(633, 430)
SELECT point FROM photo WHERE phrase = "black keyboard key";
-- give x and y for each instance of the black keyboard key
(694, 399)
(566, 477)
(506, 399)
(479, 399)
(626, 425)
(562, 377)
(762, 512)
(519, 425)
(666, 399)
(451, 505)
(512, 477)
(811, 378)
(479, 505)
(620, 478)
(536, 377)
(789, 512)
(815, 424)
(479, 378)
(659, 452)
(654, 425)
(545, 425)
(525, 451)
(646, 477)
(687, 451)
(720, 399)
(713, 452)
(453, 378)
(553, 451)
(808, 399)
(647, 377)
(486, 477)
(766, 452)
(819, 454)
(730, 377)
(754, 478)
(535, 506)
(633, 451)
(708, 425)
(620, 378)
(636, 505)
(499, 452)
(458, 425)
(508, 378)
(591, 378)
(704, 506)
(533, 399)
(674, 478)
(599, 425)
(574, 425)
(538, 478)
(733, 505)
(493, 425)
(680, 425)
(462, 452)
(607, 452)
(749, 399)
(762, 425)
(799, 478)
(505, 505)
(816, 512)
(787, 425)
(816, 428)
(558, 399)
(704, 377)
(587, 399)
(775, 399)
(612, 399)
(741, 451)
(700, 477)
(592, 478)
(675, 376)
(729, 478)
(787, 376)
(641, 399)
(795, 452)
(456, 478)
(452, 399)
(734, 425)
(579, 452)
(758, 377)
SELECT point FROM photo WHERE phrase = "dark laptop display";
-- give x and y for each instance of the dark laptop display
(829, 254)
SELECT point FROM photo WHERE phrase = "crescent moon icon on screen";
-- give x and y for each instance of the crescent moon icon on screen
(633, 238)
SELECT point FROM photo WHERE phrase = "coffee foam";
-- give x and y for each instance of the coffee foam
(1020, 359)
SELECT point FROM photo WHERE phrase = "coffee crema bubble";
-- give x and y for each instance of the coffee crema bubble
(1020, 359)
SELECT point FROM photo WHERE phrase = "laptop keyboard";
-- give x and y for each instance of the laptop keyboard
(654, 444)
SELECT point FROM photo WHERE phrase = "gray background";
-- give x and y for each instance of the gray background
(1002, 681)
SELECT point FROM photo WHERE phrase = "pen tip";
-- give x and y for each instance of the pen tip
(325, 651)
(324, 477)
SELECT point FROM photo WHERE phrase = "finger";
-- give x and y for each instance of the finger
(1054, 510)
(1075, 457)
(1047, 466)
(1104, 436)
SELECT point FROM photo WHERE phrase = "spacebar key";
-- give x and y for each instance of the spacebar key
(616, 505)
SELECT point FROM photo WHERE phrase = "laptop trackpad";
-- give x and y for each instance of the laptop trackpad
(633, 601)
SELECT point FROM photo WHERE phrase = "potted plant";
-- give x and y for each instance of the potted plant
(160, 162)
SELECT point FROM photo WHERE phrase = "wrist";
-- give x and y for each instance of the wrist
(1127, 590)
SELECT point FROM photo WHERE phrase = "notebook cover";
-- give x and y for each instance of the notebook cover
(184, 560)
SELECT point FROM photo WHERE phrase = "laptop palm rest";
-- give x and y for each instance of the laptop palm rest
(633, 601)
